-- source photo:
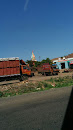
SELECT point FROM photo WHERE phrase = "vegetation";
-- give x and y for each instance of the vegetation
(61, 81)
(47, 61)
(1, 94)
(39, 86)
(30, 62)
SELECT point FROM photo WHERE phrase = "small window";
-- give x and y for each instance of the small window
(54, 67)
(27, 68)
(24, 67)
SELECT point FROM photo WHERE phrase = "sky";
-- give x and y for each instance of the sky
(42, 26)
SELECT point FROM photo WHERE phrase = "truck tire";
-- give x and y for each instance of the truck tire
(32, 74)
(22, 78)
(51, 74)
(47, 74)
(43, 73)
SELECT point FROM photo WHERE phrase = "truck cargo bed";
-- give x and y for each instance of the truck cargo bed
(9, 67)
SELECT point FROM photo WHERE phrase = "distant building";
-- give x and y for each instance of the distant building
(64, 63)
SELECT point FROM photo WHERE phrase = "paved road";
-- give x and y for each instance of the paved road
(35, 111)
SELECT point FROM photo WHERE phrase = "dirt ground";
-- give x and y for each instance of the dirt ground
(34, 79)
(39, 77)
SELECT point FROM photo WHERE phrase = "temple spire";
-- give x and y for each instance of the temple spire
(33, 57)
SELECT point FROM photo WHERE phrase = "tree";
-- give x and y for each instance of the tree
(30, 63)
(46, 61)
(37, 63)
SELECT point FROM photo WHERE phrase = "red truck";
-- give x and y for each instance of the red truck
(13, 68)
(55, 69)
(47, 69)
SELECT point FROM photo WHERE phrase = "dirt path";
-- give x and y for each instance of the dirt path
(39, 77)
(15, 83)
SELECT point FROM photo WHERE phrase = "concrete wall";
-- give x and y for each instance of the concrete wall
(66, 64)
(62, 61)
(58, 64)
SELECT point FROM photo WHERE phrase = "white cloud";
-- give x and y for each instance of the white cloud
(26, 4)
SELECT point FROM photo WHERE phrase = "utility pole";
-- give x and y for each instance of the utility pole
(39, 58)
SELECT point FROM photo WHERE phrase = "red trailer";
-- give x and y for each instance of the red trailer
(47, 69)
(13, 68)
(9, 67)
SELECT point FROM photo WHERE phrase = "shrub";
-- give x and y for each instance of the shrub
(59, 79)
(1, 94)
(39, 85)
(51, 80)
(45, 85)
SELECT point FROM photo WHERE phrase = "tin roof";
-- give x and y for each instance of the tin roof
(7, 59)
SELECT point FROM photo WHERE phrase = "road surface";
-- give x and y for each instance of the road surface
(43, 110)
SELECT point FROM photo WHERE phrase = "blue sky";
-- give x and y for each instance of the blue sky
(44, 26)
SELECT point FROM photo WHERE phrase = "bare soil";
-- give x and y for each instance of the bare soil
(38, 77)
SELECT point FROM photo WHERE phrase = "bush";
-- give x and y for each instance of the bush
(1, 94)
(51, 80)
(46, 85)
(59, 80)
(39, 85)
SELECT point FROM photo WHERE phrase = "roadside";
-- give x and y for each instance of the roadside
(44, 110)
(28, 98)
(36, 83)
(39, 77)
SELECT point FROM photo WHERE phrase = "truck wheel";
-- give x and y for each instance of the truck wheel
(53, 74)
(46, 74)
(23, 78)
(43, 73)
(50, 74)
(32, 74)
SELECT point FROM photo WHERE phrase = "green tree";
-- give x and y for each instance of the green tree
(37, 63)
(30, 63)
(46, 61)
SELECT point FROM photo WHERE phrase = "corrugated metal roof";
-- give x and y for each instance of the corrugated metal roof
(7, 59)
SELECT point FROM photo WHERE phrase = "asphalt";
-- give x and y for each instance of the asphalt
(35, 111)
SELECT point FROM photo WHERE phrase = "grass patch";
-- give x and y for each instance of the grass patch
(39, 86)
(62, 81)
(1, 94)
(51, 80)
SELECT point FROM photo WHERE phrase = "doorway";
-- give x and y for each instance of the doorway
(62, 65)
